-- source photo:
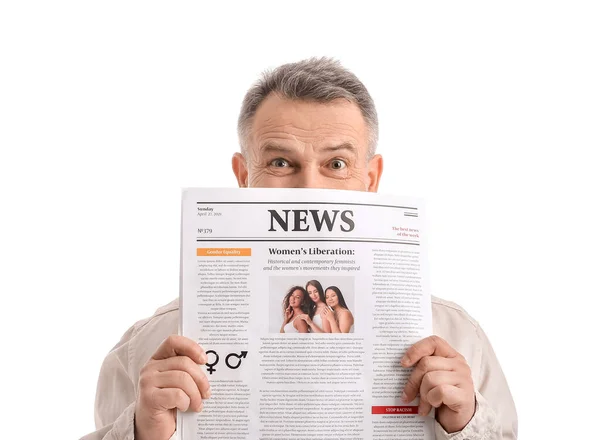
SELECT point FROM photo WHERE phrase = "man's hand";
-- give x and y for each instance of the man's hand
(172, 379)
(443, 379)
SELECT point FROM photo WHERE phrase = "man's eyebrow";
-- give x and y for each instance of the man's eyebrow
(343, 146)
(270, 147)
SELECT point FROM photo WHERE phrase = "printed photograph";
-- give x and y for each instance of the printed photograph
(303, 305)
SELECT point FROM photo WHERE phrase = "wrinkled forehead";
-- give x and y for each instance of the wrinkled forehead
(292, 122)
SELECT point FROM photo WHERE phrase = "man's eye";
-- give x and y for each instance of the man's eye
(337, 164)
(279, 163)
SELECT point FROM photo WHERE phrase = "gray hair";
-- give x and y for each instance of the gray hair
(314, 79)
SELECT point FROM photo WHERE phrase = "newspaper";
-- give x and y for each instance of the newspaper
(305, 301)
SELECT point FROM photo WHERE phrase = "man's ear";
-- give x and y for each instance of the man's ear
(374, 172)
(240, 169)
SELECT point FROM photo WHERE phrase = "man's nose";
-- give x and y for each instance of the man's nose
(309, 177)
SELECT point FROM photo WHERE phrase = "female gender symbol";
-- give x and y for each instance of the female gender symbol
(211, 368)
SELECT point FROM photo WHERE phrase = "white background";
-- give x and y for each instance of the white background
(280, 285)
(489, 110)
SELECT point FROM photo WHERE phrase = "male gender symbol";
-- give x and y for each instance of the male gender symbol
(239, 358)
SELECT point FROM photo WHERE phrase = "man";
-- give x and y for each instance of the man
(310, 124)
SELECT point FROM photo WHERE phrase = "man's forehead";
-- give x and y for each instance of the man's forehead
(281, 117)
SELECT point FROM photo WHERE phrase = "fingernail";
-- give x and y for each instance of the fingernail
(404, 360)
(404, 397)
(208, 393)
(203, 358)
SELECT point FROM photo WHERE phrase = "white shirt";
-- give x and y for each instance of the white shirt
(495, 415)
